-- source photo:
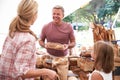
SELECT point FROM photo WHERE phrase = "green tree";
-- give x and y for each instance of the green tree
(98, 11)
(108, 9)
(68, 18)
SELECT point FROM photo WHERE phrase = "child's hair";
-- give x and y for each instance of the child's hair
(104, 56)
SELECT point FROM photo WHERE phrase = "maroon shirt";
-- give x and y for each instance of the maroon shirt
(60, 34)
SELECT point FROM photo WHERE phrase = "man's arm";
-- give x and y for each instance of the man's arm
(72, 42)
(71, 45)
(41, 42)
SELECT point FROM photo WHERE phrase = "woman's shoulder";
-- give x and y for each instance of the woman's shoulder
(25, 36)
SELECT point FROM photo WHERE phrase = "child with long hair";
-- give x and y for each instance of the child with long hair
(103, 55)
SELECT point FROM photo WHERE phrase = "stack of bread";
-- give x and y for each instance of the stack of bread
(85, 62)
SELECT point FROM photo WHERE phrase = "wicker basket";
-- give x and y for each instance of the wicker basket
(86, 64)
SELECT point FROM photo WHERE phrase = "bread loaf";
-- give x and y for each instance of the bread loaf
(56, 46)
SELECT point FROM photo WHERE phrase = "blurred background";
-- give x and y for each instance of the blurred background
(77, 12)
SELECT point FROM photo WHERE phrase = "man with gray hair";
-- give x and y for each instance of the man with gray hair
(58, 31)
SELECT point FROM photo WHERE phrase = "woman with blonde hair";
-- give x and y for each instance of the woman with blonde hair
(18, 58)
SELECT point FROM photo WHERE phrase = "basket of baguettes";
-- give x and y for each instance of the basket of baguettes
(56, 46)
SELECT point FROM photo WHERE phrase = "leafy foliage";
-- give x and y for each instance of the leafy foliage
(97, 11)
